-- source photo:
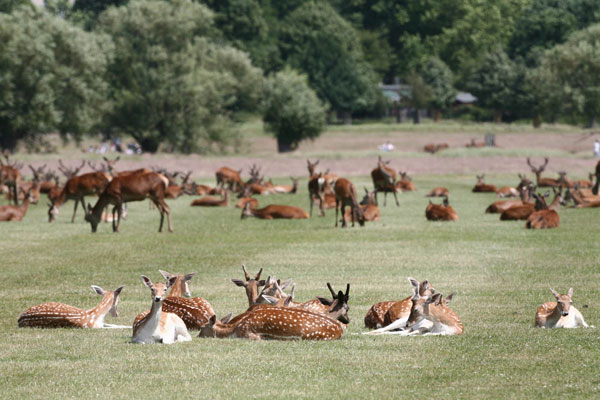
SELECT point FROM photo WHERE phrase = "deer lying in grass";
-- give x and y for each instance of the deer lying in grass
(124, 189)
(475, 144)
(242, 202)
(542, 182)
(434, 148)
(524, 211)
(157, 326)
(291, 189)
(503, 205)
(545, 217)
(15, 213)
(384, 313)
(59, 315)
(559, 313)
(369, 206)
(251, 285)
(274, 212)
(481, 187)
(209, 201)
(384, 180)
(443, 212)
(229, 177)
(345, 195)
(405, 183)
(438, 192)
(507, 191)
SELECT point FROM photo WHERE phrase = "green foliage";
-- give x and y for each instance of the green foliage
(292, 110)
(7, 6)
(51, 77)
(171, 82)
(439, 78)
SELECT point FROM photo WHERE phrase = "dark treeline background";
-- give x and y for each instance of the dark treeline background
(183, 73)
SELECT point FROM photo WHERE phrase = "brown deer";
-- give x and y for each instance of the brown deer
(443, 212)
(251, 285)
(345, 195)
(77, 188)
(291, 189)
(384, 180)
(475, 144)
(242, 202)
(542, 182)
(369, 207)
(507, 191)
(319, 188)
(544, 217)
(15, 213)
(158, 326)
(438, 192)
(481, 187)
(229, 177)
(59, 315)
(48, 182)
(274, 212)
(597, 184)
(559, 313)
(209, 201)
(405, 183)
(70, 172)
(11, 177)
(430, 315)
(503, 205)
(135, 187)
(434, 148)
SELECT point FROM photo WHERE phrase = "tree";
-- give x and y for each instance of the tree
(439, 78)
(51, 77)
(421, 94)
(7, 6)
(292, 110)
(171, 82)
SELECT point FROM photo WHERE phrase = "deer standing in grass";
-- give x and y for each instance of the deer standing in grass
(59, 315)
(15, 213)
(440, 212)
(274, 211)
(345, 195)
(135, 187)
(542, 182)
(559, 313)
(11, 177)
(384, 180)
(229, 177)
(481, 187)
(158, 326)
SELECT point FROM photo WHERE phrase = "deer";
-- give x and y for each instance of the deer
(369, 206)
(209, 201)
(274, 211)
(32, 186)
(434, 148)
(229, 177)
(384, 180)
(386, 312)
(59, 315)
(124, 189)
(503, 205)
(405, 183)
(545, 216)
(76, 189)
(430, 315)
(475, 144)
(345, 195)
(291, 189)
(507, 191)
(158, 326)
(438, 192)
(559, 313)
(11, 177)
(48, 182)
(481, 187)
(70, 172)
(15, 213)
(319, 188)
(251, 285)
(542, 182)
(597, 184)
(443, 212)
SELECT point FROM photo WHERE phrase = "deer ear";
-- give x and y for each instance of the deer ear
(189, 276)
(239, 282)
(270, 299)
(570, 293)
(98, 290)
(171, 281)
(555, 293)
(413, 281)
(261, 282)
(118, 290)
(226, 318)
(285, 284)
(212, 320)
(146, 281)
(434, 299)
(449, 298)
(324, 301)
(165, 274)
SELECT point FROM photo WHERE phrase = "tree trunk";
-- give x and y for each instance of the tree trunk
(284, 146)
(148, 145)
(537, 121)
(497, 116)
(347, 118)
(416, 116)
(592, 122)
(437, 115)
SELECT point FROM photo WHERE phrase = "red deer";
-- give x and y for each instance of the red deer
(59, 315)
(481, 187)
(597, 184)
(507, 191)
(544, 217)
(15, 213)
(369, 207)
(319, 187)
(475, 144)
(49, 182)
(434, 148)
(293, 188)
(405, 183)
(384, 180)
(274, 212)
(503, 205)
(209, 201)
(70, 172)
(158, 326)
(229, 177)
(443, 212)
(542, 182)
(11, 177)
(242, 202)
(559, 313)
(135, 187)
(438, 192)
(345, 195)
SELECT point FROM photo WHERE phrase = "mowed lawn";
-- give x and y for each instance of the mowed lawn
(499, 270)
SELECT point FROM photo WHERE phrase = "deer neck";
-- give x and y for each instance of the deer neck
(224, 330)
(95, 316)
(552, 318)
(555, 202)
(99, 206)
(153, 318)
(25, 205)
(177, 288)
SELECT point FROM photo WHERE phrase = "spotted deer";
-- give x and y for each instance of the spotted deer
(157, 326)
(251, 285)
(59, 315)
(559, 313)
(345, 195)
(384, 180)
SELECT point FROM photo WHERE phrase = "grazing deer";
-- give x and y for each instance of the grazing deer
(157, 326)
(542, 182)
(384, 313)
(559, 313)
(15, 213)
(384, 180)
(135, 187)
(481, 187)
(251, 285)
(229, 177)
(76, 189)
(345, 195)
(274, 212)
(209, 201)
(405, 183)
(250, 200)
(70, 172)
(59, 315)
(369, 207)
(443, 212)
(438, 192)
(545, 216)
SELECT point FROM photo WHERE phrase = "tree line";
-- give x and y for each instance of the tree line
(184, 73)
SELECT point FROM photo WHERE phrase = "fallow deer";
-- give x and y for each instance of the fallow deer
(405, 183)
(384, 180)
(438, 192)
(345, 195)
(251, 285)
(229, 177)
(209, 201)
(545, 217)
(59, 315)
(158, 326)
(559, 313)
(430, 315)
(124, 189)
(481, 187)
(274, 212)
(15, 213)
(369, 207)
(443, 212)
(542, 182)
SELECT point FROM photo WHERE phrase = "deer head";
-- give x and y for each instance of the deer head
(250, 284)
(158, 290)
(338, 306)
(311, 167)
(182, 280)
(89, 217)
(563, 301)
(114, 311)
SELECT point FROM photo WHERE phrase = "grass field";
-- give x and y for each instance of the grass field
(500, 271)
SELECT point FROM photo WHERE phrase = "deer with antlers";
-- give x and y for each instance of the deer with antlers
(345, 195)
(384, 180)
(158, 326)
(124, 189)
(542, 182)
(251, 285)
(559, 313)
(481, 187)
(503, 205)
(10, 177)
(70, 172)
(544, 217)
(16, 213)
(274, 211)
(59, 315)
(231, 178)
(209, 201)
(440, 212)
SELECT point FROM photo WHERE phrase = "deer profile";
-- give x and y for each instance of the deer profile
(542, 182)
(59, 315)
(559, 313)
(440, 212)
(274, 211)
(231, 178)
(210, 201)
(384, 180)
(345, 195)
(481, 187)
(16, 213)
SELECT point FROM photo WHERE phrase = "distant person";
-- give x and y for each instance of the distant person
(596, 148)
(387, 146)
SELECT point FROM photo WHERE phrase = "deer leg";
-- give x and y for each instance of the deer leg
(385, 198)
(16, 193)
(310, 199)
(75, 209)
(336, 212)
(321, 209)
(118, 208)
(396, 197)
(161, 211)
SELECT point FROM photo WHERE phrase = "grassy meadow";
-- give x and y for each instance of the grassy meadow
(500, 272)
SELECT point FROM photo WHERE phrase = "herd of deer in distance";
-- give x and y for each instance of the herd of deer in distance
(273, 313)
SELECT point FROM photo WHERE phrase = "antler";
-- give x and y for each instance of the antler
(335, 296)
(246, 274)
(533, 168)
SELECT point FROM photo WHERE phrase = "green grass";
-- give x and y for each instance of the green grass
(500, 271)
